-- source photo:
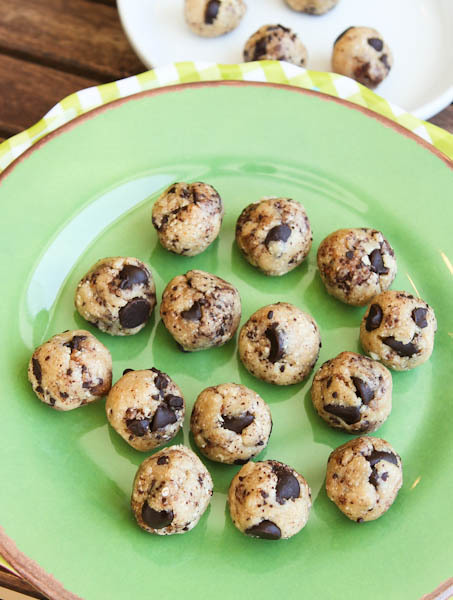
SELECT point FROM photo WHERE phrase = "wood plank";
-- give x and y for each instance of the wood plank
(444, 119)
(78, 36)
(29, 91)
(10, 581)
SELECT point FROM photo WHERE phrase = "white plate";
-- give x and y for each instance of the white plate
(418, 31)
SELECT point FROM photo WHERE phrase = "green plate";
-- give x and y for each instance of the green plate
(86, 193)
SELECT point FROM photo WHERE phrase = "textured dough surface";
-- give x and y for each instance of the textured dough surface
(398, 329)
(274, 235)
(200, 310)
(312, 7)
(146, 408)
(211, 18)
(117, 295)
(275, 42)
(361, 53)
(71, 369)
(356, 264)
(363, 478)
(187, 217)
(269, 500)
(280, 344)
(171, 491)
(353, 393)
(230, 423)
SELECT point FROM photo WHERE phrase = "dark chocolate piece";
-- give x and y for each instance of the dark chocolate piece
(376, 43)
(156, 519)
(36, 365)
(265, 530)
(374, 318)
(134, 313)
(162, 417)
(377, 263)
(400, 348)
(287, 484)
(349, 414)
(138, 427)
(276, 340)
(194, 313)
(237, 424)
(419, 317)
(132, 275)
(363, 390)
(211, 11)
(279, 233)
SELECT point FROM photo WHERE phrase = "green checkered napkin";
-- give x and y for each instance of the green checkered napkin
(188, 72)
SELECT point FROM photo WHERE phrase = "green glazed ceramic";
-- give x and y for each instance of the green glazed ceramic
(86, 192)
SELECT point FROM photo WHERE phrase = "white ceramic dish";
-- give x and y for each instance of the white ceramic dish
(418, 31)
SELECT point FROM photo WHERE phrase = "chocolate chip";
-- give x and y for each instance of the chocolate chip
(156, 519)
(270, 314)
(161, 379)
(52, 401)
(399, 347)
(385, 62)
(64, 395)
(419, 316)
(260, 49)
(342, 34)
(174, 402)
(363, 390)
(138, 427)
(39, 390)
(374, 458)
(237, 424)
(376, 43)
(349, 414)
(360, 520)
(162, 417)
(75, 343)
(211, 12)
(37, 369)
(241, 461)
(266, 530)
(163, 460)
(279, 233)
(127, 371)
(349, 254)
(193, 314)
(329, 382)
(377, 264)
(132, 275)
(276, 340)
(135, 313)
(287, 485)
(374, 318)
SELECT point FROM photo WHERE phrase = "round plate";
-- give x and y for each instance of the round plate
(86, 192)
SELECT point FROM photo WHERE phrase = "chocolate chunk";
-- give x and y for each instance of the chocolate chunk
(237, 424)
(399, 347)
(132, 275)
(211, 11)
(193, 314)
(156, 519)
(135, 313)
(276, 340)
(374, 318)
(39, 390)
(163, 460)
(174, 402)
(376, 43)
(373, 459)
(241, 461)
(127, 371)
(266, 530)
(138, 427)
(342, 34)
(419, 316)
(349, 254)
(37, 369)
(162, 417)
(377, 263)
(64, 395)
(270, 314)
(52, 401)
(363, 390)
(385, 62)
(287, 485)
(360, 520)
(349, 414)
(279, 233)
(75, 343)
(260, 49)
(161, 379)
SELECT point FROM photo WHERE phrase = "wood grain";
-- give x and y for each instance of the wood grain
(444, 119)
(10, 581)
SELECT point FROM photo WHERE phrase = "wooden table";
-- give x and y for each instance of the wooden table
(49, 49)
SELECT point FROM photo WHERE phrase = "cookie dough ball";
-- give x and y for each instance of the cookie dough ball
(274, 235)
(280, 344)
(356, 264)
(71, 369)
(117, 295)
(187, 217)
(269, 500)
(211, 18)
(363, 478)
(398, 329)
(146, 408)
(200, 310)
(353, 393)
(361, 53)
(275, 42)
(172, 489)
(230, 423)
(312, 7)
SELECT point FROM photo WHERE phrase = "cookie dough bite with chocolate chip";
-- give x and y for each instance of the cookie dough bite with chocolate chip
(280, 344)
(146, 408)
(275, 42)
(230, 423)
(274, 235)
(171, 491)
(353, 393)
(200, 310)
(312, 7)
(398, 329)
(363, 478)
(211, 18)
(361, 53)
(356, 264)
(187, 217)
(71, 369)
(117, 295)
(269, 500)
